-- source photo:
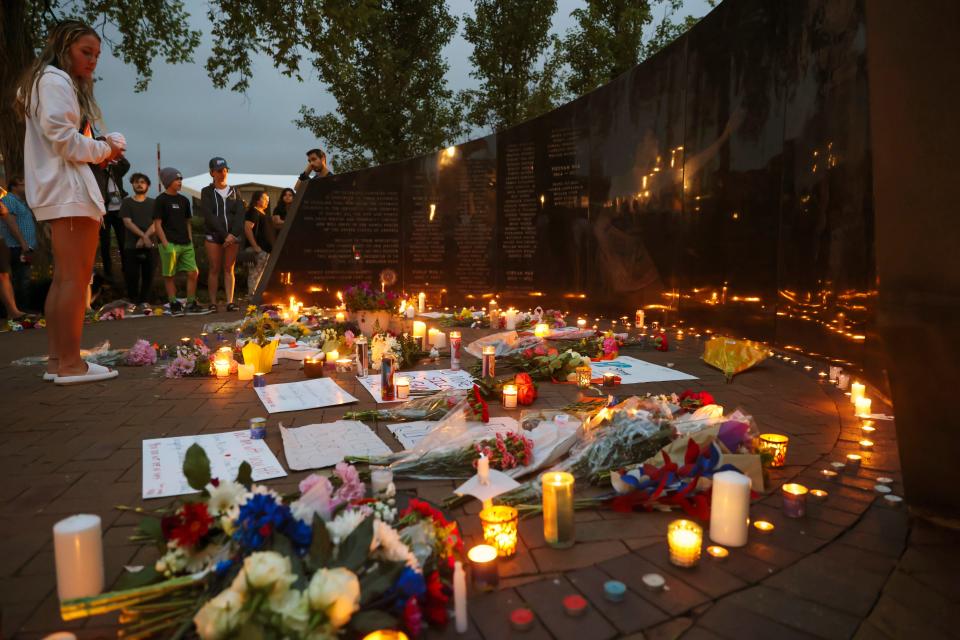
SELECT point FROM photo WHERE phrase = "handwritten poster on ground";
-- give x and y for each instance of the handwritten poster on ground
(315, 446)
(633, 371)
(300, 396)
(421, 382)
(163, 461)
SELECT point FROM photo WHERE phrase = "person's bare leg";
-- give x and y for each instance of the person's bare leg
(170, 285)
(50, 307)
(192, 277)
(214, 262)
(6, 294)
(229, 262)
(74, 248)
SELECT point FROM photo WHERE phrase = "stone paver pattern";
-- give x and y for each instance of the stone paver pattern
(853, 567)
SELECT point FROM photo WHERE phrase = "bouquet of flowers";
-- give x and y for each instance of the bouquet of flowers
(242, 561)
(362, 297)
(380, 345)
(141, 354)
(431, 407)
(191, 360)
(542, 363)
(465, 318)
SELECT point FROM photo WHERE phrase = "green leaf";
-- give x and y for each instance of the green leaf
(365, 622)
(321, 547)
(356, 547)
(150, 527)
(245, 475)
(132, 580)
(196, 467)
(374, 584)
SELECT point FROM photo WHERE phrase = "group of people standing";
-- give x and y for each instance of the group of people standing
(73, 180)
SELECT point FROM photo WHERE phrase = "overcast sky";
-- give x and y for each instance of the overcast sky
(193, 121)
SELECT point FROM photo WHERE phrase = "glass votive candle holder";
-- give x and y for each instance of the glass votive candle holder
(862, 407)
(794, 500)
(867, 428)
(509, 396)
(332, 357)
(853, 461)
(402, 385)
(483, 567)
(828, 474)
(259, 380)
(684, 538)
(541, 330)
(762, 526)
(584, 376)
(488, 362)
(344, 365)
(717, 552)
(773, 449)
(499, 524)
(866, 445)
(609, 379)
(819, 494)
(222, 367)
(313, 367)
(245, 372)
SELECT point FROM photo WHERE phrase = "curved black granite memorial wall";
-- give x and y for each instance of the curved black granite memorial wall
(724, 184)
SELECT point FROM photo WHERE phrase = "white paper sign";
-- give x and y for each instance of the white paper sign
(421, 381)
(297, 352)
(163, 461)
(299, 396)
(323, 445)
(633, 371)
(410, 433)
(499, 483)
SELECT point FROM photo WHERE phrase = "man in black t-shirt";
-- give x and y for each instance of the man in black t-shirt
(171, 221)
(138, 242)
(316, 168)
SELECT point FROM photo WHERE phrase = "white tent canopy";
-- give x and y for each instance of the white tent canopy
(193, 184)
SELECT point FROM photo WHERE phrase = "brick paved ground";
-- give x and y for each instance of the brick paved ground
(851, 568)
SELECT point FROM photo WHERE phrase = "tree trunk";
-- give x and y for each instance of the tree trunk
(16, 52)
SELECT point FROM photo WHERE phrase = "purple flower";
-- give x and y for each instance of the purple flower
(180, 367)
(141, 354)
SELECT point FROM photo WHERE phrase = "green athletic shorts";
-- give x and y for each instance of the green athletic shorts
(175, 258)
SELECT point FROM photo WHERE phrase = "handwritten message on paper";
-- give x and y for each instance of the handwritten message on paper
(323, 445)
(163, 461)
(633, 371)
(422, 382)
(299, 396)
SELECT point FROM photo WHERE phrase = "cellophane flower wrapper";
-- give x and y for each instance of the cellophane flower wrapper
(432, 407)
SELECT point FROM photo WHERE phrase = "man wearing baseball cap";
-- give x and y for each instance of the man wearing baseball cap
(171, 219)
(223, 213)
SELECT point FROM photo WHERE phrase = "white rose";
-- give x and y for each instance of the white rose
(335, 592)
(220, 616)
(268, 570)
(293, 608)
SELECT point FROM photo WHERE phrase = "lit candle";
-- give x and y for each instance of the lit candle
(609, 379)
(222, 367)
(411, 311)
(730, 508)
(205, 338)
(862, 407)
(773, 449)
(185, 341)
(460, 597)
(717, 552)
(386, 634)
(834, 373)
(558, 530)
(763, 526)
(421, 302)
(684, 538)
(867, 428)
(853, 461)
(483, 566)
(639, 318)
(489, 365)
(259, 380)
(245, 372)
(313, 367)
(363, 356)
(388, 370)
(380, 479)
(581, 324)
(437, 338)
(499, 525)
(843, 381)
(857, 390)
(794, 500)
(455, 343)
(828, 474)
(344, 365)
(819, 494)
(509, 396)
(419, 332)
(584, 379)
(332, 357)
(341, 316)
(78, 555)
(866, 445)
(541, 330)
(403, 387)
(510, 319)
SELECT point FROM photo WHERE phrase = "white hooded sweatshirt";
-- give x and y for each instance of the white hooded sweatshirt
(59, 182)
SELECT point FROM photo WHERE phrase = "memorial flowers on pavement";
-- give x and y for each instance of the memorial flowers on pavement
(242, 560)
(363, 297)
(193, 359)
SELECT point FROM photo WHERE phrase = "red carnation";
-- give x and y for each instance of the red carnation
(435, 608)
(188, 525)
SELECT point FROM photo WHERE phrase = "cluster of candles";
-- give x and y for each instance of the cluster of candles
(224, 364)
(313, 366)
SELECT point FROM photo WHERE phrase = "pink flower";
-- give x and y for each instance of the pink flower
(180, 367)
(348, 337)
(352, 487)
(141, 354)
(316, 497)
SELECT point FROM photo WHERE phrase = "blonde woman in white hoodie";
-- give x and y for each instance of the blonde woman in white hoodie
(55, 99)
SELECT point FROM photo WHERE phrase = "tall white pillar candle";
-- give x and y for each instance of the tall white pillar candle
(483, 469)
(857, 390)
(730, 508)
(510, 323)
(460, 597)
(78, 553)
(421, 302)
